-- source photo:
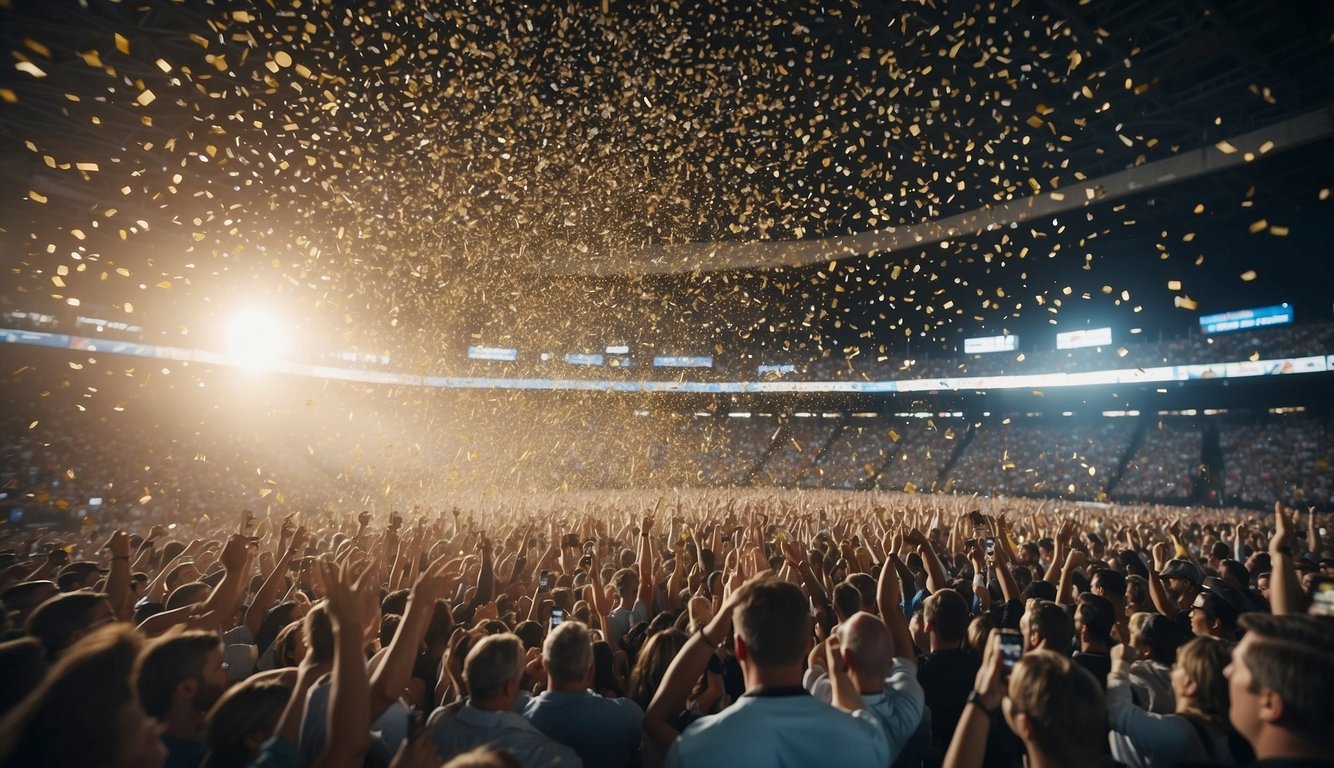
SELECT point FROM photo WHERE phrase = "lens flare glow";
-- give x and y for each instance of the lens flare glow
(255, 339)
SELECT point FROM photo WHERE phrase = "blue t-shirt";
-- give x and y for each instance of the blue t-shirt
(605, 733)
(782, 729)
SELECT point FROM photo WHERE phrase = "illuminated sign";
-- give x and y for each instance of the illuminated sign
(985, 344)
(576, 358)
(1279, 314)
(1092, 337)
(683, 361)
(505, 354)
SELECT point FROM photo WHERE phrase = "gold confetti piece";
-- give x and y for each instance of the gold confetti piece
(242, 16)
(164, 284)
(78, 233)
(32, 425)
(122, 44)
(1278, 231)
(129, 308)
(282, 59)
(1185, 302)
(36, 197)
(1173, 285)
(8, 96)
(1248, 275)
(145, 98)
(1258, 226)
(86, 166)
(1225, 147)
(30, 68)
(1324, 194)
(163, 65)
(37, 47)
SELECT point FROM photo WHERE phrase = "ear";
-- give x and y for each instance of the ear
(186, 689)
(741, 651)
(1270, 707)
(1190, 688)
(1023, 726)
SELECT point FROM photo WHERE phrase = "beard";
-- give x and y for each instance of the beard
(207, 695)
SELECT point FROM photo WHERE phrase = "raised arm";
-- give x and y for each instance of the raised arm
(1285, 597)
(349, 718)
(273, 583)
(935, 572)
(889, 596)
(682, 675)
(118, 579)
(646, 563)
(393, 674)
(1157, 591)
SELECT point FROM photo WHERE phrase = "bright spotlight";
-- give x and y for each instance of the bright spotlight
(255, 339)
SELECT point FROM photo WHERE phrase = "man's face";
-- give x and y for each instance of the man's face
(1177, 586)
(212, 680)
(1199, 619)
(1242, 703)
(1262, 584)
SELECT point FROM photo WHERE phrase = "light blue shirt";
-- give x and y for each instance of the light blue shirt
(788, 731)
(899, 707)
(605, 733)
(620, 620)
(457, 731)
(388, 731)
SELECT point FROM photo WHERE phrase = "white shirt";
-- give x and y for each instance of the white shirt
(899, 707)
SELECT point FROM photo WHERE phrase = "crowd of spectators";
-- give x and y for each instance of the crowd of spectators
(1287, 457)
(921, 449)
(797, 450)
(854, 457)
(1071, 458)
(1167, 463)
(696, 628)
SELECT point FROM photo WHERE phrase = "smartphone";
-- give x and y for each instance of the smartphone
(1011, 647)
(991, 545)
(557, 616)
(544, 581)
(1322, 596)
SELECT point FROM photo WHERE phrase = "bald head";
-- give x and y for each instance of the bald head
(866, 638)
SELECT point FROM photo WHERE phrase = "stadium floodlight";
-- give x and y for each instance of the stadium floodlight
(255, 339)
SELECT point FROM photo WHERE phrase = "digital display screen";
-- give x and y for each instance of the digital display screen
(1092, 337)
(985, 344)
(683, 361)
(505, 354)
(1240, 320)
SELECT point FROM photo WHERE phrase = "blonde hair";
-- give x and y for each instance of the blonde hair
(1065, 704)
(1202, 661)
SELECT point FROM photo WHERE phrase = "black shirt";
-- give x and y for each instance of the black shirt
(947, 678)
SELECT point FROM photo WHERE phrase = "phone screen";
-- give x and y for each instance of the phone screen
(1011, 647)
(991, 545)
(557, 616)
(1322, 596)
(544, 581)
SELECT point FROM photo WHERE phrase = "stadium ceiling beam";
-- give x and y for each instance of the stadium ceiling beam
(722, 256)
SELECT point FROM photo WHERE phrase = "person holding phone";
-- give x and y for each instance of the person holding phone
(1052, 705)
